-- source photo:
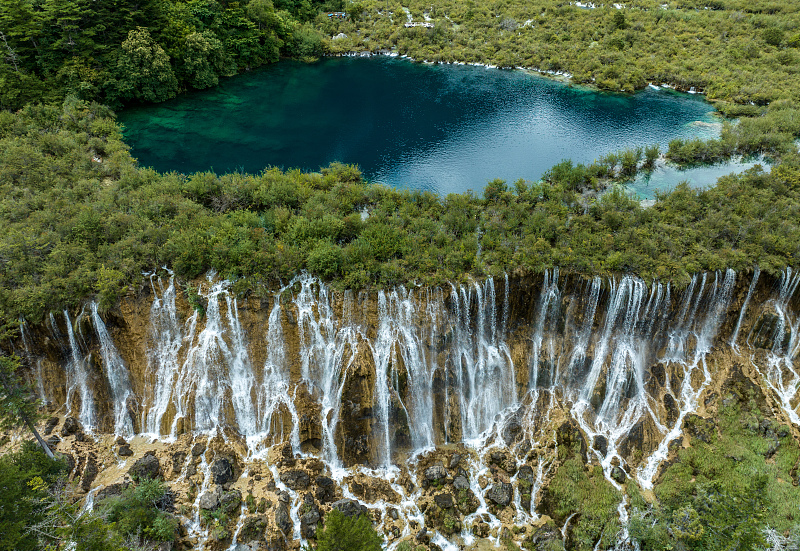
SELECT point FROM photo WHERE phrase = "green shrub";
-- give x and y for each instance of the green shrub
(139, 510)
(342, 533)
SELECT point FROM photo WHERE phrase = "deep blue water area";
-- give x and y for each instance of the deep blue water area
(442, 128)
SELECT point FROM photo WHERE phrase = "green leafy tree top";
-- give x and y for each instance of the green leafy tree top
(342, 533)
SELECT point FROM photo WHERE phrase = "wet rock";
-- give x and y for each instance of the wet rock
(569, 436)
(393, 514)
(253, 529)
(526, 473)
(230, 501)
(349, 507)
(222, 471)
(699, 427)
(90, 472)
(498, 458)
(422, 536)
(671, 407)
(546, 537)
(461, 483)
(308, 523)
(210, 499)
(296, 479)
(634, 441)
(125, 451)
(600, 444)
(70, 426)
(618, 475)
(52, 441)
(198, 449)
(500, 494)
(50, 425)
(435, 474)
(178, 459)
(325, 489)
(146, 467)
(284, 497)
(120, 441)
(455, 459)
(283, 520)
(512, 430)
(444, 501)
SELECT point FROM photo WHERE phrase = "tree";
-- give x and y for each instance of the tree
(16, 405)
(25, 476)
(143, 69)
(206, 60)
(343, 533)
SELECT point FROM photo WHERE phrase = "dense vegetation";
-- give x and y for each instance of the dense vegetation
(41, 510)
(143, 50)
(78, 218)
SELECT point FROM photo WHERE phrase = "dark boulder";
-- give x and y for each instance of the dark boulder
(70, 426)
(283, 520)
(296, 479)
(146, 467)
(222, 471)
(349, 507)
(618, 475)
(444, 501)
(230, 501)
(500, 494)
(252, 529)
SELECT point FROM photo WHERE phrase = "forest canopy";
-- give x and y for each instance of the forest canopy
(79, 218)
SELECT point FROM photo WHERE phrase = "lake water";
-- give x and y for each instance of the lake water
(442, 128)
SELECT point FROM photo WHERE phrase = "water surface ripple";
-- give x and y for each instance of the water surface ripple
(442, 128)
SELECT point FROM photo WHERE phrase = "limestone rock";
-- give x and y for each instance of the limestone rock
(283, 520)
(210, 499)
(296, 479)
(50, 425)
(325, 489)
(146, 467)
(230, 501)
(500, 494)
(253, 529)
(455, 459)
(308, 524)
(198, 449)
(600, 444)
(444, 501)
(349, 507)
(222, 471)
(70, 426)
(125, 451)
(618, 475)
(461, 483)
(435, 474)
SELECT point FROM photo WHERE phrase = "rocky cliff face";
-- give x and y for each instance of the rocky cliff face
(446, 414)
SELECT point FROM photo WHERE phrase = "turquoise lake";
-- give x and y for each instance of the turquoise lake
(442, 128)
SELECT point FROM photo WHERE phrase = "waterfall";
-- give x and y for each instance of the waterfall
(323, 343)
(735, 335)
(166, 339)
(78, 380)
(781, 373)
(704, 328)
(117, 376)
(273, 392)
(485, 380)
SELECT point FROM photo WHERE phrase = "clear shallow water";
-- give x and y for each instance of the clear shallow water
(442, 128)
(665, 177)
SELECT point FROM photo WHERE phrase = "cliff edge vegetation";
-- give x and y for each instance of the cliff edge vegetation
(80, 218)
